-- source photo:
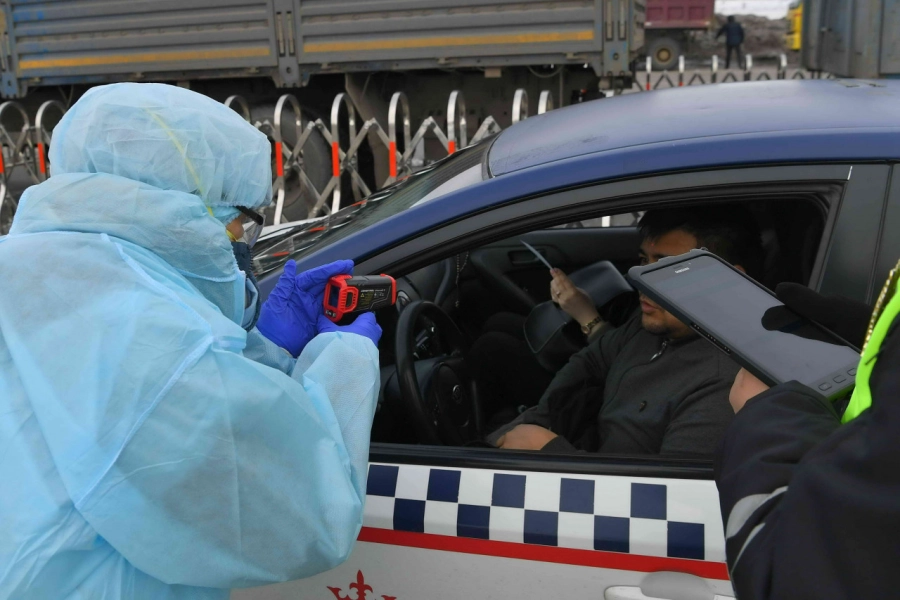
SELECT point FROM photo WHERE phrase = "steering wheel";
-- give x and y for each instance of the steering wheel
(436, 385)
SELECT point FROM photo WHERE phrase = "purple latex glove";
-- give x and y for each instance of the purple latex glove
(290, 313)
(364, 325)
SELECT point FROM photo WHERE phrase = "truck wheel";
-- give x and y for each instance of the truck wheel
(664, 53)
(315, 159)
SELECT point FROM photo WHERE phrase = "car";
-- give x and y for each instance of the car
(817, 162)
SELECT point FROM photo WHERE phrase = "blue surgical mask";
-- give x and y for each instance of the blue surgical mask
(245, 263)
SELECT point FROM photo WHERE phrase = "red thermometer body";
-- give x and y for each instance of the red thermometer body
(349, 295)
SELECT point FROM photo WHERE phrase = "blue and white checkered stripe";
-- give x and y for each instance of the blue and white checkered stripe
(652, 517)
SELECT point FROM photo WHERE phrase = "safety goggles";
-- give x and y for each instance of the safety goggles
(253, 223)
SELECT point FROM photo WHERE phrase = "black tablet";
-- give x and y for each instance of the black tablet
(745, 320)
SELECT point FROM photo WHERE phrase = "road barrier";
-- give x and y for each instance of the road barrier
(23, 151)
(344, 158)
(653, 81)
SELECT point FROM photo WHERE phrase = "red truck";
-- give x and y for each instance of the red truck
(668, 23)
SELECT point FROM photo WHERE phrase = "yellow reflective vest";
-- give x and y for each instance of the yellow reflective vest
(886, 310)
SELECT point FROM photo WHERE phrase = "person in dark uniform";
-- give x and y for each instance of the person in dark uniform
(810, 498)
(734, 37)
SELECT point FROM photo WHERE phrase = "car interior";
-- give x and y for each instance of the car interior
(429, 394)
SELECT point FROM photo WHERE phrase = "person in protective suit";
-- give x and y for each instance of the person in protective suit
(150, 445)
(810, 496)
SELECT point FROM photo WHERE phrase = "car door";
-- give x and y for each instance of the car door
(444, 522)
(445, 530)
(888, 241)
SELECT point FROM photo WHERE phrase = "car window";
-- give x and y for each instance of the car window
(483, 286)
(454, 172)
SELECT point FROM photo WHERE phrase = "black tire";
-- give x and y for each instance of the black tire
(664, 52)
(316, 161)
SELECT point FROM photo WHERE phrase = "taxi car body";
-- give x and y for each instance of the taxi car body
(819, 163)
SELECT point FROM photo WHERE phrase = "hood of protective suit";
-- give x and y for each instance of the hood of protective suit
(158, 166)
(169, 138)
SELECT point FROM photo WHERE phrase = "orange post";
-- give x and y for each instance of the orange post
(392, 150)
(42, 162)
(335, 159)
(451, 146)
(279, 160)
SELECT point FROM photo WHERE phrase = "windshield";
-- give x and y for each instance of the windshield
(463, 168)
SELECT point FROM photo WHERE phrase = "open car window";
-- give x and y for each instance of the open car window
(491, 280)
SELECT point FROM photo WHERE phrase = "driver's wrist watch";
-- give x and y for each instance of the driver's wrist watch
(589, 326)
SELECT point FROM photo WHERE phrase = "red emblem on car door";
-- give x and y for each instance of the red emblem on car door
(360, 587)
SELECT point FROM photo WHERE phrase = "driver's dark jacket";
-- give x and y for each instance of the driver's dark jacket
(632, 392)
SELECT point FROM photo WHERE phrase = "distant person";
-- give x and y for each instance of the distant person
(734, 37)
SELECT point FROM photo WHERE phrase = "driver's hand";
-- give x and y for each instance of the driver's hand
(745, 387)
(573, 300)
(525, 437)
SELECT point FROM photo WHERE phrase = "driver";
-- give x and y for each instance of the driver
(650, 386)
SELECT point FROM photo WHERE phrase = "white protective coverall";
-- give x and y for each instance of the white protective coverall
(149, 446)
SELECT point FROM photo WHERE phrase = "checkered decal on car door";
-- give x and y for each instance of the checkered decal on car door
(652, 517)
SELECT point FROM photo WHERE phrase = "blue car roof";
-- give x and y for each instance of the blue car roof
(765, 110)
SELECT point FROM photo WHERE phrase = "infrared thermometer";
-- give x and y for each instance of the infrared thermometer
(349, 295)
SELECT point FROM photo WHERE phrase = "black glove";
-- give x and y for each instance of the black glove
(847, 318)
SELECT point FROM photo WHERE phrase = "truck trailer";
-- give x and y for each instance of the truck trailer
(289, 42)
(852, 38)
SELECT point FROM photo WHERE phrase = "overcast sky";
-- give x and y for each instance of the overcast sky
(774, 9)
